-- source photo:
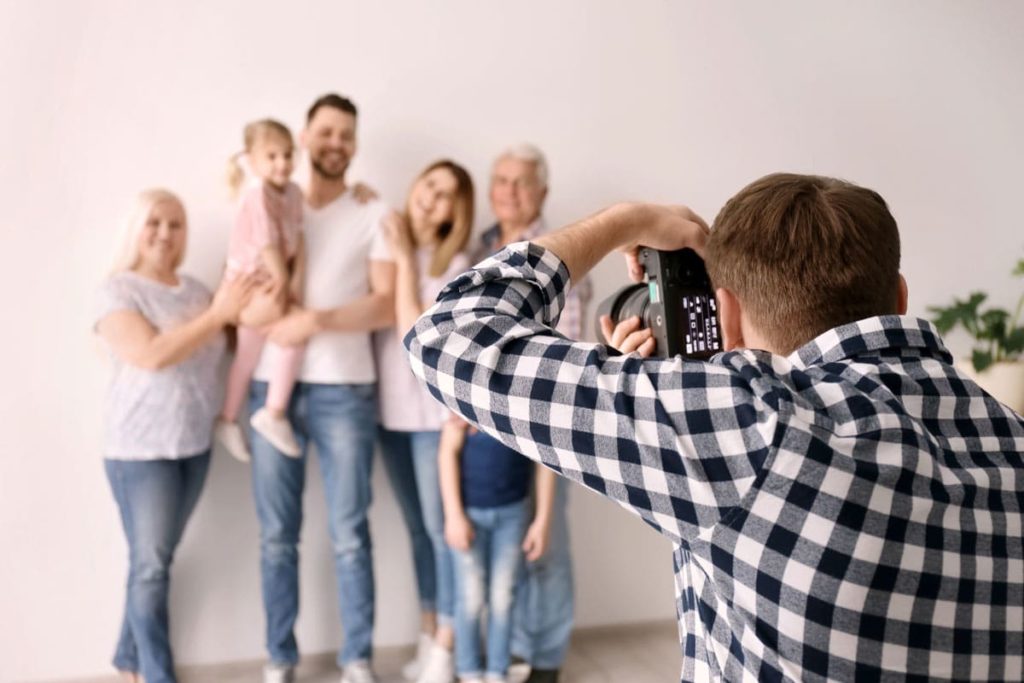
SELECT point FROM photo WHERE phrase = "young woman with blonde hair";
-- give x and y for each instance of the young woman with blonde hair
(427, 240)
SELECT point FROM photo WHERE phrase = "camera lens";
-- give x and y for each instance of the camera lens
(624, 303)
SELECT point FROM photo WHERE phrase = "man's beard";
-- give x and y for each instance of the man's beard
(319, 169)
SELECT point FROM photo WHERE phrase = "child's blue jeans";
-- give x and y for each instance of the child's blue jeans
(486, 576)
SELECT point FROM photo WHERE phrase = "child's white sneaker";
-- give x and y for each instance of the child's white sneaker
(411, 671)
(276, 430)
(230, 435)
(438, 667)
(358, 672)
(278, 673)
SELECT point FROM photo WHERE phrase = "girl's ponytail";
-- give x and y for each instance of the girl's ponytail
(234, 175)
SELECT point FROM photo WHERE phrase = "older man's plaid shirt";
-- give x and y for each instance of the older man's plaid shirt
(851, 512)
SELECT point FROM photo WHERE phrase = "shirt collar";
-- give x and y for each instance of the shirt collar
(492, 235)
(887, 332)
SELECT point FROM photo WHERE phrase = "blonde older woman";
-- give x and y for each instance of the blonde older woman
(166, 340)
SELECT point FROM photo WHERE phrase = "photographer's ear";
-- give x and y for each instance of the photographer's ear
(730, 315)
(902, 297)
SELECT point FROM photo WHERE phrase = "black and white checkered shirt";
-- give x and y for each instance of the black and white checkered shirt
(850, 512)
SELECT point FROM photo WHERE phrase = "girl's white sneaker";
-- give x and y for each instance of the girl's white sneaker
(229, 435)
(276, 430)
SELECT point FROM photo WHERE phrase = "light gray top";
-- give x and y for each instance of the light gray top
(166, 413)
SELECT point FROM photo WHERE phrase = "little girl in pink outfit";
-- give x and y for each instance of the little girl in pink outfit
(267, 241)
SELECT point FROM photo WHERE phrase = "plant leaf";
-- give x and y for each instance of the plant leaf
(1014, 343)
(981, 360)
(1018, 270)
(944, 319)
(993, 325)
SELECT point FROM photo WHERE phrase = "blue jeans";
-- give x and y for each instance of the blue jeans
(155, 498)
(340, 420)
(486, 576)
(543, 615)
(410, 459)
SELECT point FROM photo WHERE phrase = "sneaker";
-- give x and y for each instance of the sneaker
(278, 673)
(358, 672)
(230, 435)
(543, 676)
(411, 671)
(276, 430)
(438, 666)
(518, 670)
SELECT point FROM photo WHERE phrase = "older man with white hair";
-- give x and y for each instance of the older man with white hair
(543, 617)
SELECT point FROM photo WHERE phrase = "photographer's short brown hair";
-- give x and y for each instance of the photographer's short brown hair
(804, 254)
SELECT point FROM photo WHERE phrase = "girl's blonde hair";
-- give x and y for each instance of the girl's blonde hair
(257, 130)
(455, 233)
(128, 245)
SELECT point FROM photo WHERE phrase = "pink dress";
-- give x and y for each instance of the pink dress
(267, 217)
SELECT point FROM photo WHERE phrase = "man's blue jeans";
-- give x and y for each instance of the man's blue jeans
(340, 419)
(543, 617)
(410, 459)
(486, 576)
(155, 498)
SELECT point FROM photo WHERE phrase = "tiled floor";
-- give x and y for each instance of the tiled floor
(647, 653)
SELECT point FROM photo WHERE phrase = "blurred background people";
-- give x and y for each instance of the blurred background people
(427, 240)
(165, 337)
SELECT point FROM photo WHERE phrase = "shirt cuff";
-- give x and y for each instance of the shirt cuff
(520, 261)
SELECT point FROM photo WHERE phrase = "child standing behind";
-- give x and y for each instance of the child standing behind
(485, 487)
(266, 241)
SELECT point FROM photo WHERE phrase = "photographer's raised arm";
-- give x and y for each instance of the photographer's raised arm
(678, 442)
(625, 227)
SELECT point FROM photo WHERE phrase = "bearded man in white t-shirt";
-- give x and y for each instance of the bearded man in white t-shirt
(349, 290)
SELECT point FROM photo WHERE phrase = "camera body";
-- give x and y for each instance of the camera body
(677, 303)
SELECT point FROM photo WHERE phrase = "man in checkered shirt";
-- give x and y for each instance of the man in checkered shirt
(844, 504)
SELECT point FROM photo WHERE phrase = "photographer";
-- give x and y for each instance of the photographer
(844, 504)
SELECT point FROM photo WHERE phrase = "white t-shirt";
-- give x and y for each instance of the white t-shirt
(341, 239)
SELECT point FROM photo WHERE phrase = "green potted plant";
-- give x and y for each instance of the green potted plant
(997, 359)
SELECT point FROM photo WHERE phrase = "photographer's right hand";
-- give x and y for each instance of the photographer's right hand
(665, 228)
(625, 227)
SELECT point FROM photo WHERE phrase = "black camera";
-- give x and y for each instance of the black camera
(677, 303)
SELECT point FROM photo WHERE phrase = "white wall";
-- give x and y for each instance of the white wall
(668, 101)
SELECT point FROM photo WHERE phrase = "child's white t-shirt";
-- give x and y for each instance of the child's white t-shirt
(341, 239)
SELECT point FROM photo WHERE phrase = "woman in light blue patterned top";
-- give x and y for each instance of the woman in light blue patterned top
(166, 340)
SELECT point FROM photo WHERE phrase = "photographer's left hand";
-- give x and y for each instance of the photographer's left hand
(628, 336)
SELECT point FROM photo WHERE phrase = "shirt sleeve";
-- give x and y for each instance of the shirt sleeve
(114, 295)
(379, 249)
(679, 443)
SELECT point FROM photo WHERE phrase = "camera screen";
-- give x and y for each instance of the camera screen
(700, 324)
